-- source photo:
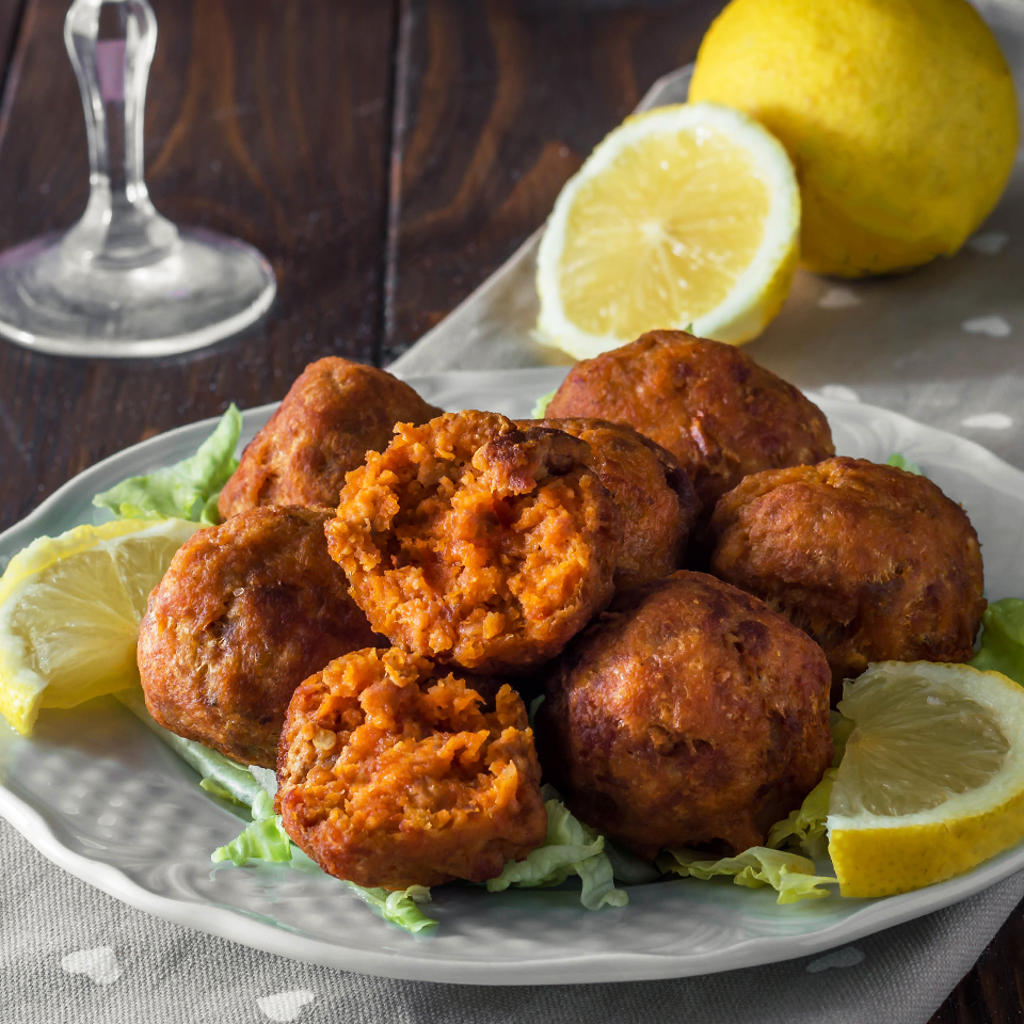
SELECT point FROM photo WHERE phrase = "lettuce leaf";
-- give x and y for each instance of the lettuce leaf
(570, 848)
(789, 874)
(264, 838)
(1001, 646)
(804, 827)
(541, 405)
(186, 490)
(900, 461)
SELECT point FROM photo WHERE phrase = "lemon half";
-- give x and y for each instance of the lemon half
(69, 613)
(685, 216)
(932, 780)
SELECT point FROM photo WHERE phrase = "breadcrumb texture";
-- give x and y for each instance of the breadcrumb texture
(334, 413)
(690, 714)
(391, 774)
(719, 413)
(244, 613)
(657, 503)
(477, 542)
(873, 562)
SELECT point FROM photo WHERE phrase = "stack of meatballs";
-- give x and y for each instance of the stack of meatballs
(674, 559)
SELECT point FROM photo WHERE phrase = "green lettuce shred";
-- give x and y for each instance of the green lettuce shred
(264, 838)
(804, 827)
(187, 490)
(789, 874)
(1001, 645)
(570, 848)
(541, 405)
(900, 461)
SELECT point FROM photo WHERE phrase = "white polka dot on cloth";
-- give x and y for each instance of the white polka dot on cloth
(839, 298)
(840, 391)
(285, 1006)
(846, 956)
(988, 242)
(100, 965)
(988, 421)
(993, 326)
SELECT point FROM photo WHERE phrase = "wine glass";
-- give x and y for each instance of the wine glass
(124, 281)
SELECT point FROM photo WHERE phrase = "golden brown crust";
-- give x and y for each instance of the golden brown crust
(719, 413)
(476, 542)
(244, 613)
(657, 503)
(392, 774)
(334, 413)
(873, 562)
(690, 714)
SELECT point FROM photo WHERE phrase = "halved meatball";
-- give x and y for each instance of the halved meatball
(392, 773)
(476, 542)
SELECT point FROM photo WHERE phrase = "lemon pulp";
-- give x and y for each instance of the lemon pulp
(70, 607)
(686, 216)
(932, 780)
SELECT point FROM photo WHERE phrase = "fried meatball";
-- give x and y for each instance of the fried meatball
(392, 774)
(244, 613)
(477, 542)
(334, 413)
(690, 714)
(874, 563)
(657, 502)
(719, 413)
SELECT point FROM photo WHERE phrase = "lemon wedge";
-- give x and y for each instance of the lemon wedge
(69, 612)
(932, 780)
(686, 216)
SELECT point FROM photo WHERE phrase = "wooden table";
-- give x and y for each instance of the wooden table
(386, 157)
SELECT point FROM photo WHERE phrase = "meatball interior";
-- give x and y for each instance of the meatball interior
(392, 775)
(477, 542)
(690, 714)
(873, 562)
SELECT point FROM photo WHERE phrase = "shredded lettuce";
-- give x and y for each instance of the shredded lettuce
(804, 827)
(789, 874)
(264, 838)
(541, 405)
(187, 490)
(1001, 646)
(570, 848)
(900, 461)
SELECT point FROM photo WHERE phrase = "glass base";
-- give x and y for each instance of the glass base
(195, 291)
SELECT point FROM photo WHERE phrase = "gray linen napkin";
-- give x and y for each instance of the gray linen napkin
(72, 955)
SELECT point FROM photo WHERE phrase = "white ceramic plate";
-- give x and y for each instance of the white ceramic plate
(101, 796)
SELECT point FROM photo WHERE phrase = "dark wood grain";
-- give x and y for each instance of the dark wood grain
(268, 121)
(498, 105)
(386, 157)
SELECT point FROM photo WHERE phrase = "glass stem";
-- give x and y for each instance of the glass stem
(111, 44)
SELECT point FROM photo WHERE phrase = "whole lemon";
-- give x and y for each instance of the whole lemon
(899, 115)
